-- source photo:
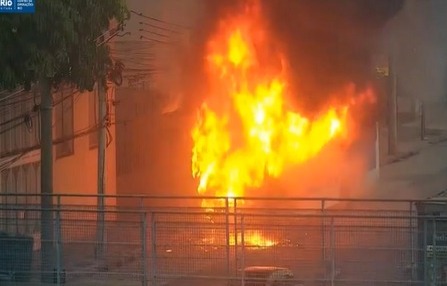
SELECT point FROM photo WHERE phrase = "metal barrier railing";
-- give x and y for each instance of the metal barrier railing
(175, 245)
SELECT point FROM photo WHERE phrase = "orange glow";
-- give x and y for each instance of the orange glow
(247, 129)
(252, 239)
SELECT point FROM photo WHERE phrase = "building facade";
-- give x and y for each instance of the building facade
(153, 133)
(75, 125)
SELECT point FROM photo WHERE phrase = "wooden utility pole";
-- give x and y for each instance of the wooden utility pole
(46, 183)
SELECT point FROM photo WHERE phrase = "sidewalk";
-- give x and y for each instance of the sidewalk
(420, 173)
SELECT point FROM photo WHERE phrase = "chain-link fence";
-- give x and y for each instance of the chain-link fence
(153, 242)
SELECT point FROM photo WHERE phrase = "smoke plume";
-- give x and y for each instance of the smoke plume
(328, 43)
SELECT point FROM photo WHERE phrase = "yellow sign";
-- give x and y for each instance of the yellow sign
(381, 65)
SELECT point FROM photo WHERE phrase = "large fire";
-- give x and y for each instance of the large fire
(247, 129)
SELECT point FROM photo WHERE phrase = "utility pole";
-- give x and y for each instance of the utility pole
(102, 122)
(377, 150)
(46, 183)
(392, 110)
(102, 117)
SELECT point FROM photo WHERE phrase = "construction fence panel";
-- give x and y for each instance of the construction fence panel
(196, 246)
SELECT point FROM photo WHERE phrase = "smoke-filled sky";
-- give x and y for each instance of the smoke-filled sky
(418, 37)
(328, 43)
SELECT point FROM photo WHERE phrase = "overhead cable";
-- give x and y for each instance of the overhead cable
(158, 20)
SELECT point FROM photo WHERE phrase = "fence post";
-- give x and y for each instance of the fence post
(153, 250)
(323, 232)
(377, 150)
(413, 262)
(435, 256)
(243, 249)
(332, 253)
(58, 242)
(422, 118)
(144, 247)
(425, 253)
(235, 234)
(141, 204)
(7, 212)
(227, 233)
(100, 228)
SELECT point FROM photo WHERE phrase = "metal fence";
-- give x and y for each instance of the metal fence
(173, 241)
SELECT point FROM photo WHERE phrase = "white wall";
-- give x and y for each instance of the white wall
(417, 35)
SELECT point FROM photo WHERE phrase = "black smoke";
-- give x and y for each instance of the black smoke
(328, 43)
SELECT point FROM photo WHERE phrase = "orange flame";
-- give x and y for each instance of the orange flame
(252, 238)
(246, 130)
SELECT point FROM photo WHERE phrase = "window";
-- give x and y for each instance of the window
(4, 138)
(23, 179)
(4, 214)
(93, 118)
(63, 109)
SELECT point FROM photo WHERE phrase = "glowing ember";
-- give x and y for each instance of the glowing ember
(252, 239)
(247, 130)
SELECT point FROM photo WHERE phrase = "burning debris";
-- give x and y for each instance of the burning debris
(253, 239)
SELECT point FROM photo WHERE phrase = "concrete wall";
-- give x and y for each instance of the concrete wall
(77, 173)
(73, 174)
(417, 38)
(153, 148)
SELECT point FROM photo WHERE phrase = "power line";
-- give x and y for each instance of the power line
(158, 20)
(11, 95)
(25, 99)
(112, 33)
(18, 101)
(154, 33)
(10, 162)
(76, 134)
(79, 133)
(160, 28)
(134, 56)
(153, 40)
(27, 117)
(139, 49)
(23, 115)
(65, 97)
(11, 127)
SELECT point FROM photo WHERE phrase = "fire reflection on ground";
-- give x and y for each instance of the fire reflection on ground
(252, 239)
